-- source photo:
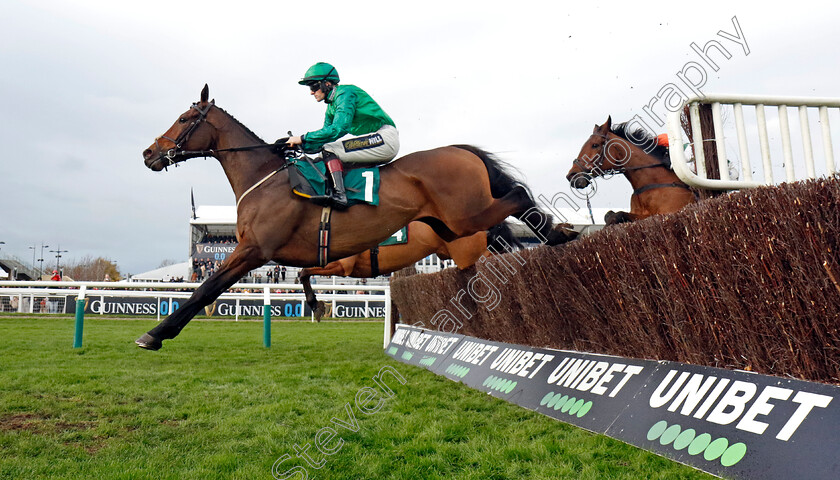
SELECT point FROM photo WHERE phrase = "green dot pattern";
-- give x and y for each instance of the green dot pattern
(428, 361)
(584, 409)
(571, 405)
(715, 449)
(459, 371)
(733, 454)
(699, 444)
(712, 450)
(657, 430)
(407, 355)
(670, 434)
(684, 439)
(499, 384)
(392, 351)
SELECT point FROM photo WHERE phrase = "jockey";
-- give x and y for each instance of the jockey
(355, 130)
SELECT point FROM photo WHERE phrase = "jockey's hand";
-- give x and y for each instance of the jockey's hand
(279, 146)
(296, 140)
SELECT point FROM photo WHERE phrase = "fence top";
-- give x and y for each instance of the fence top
(774, 100)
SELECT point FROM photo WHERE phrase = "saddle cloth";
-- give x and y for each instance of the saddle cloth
(362, 184)
(400, 237)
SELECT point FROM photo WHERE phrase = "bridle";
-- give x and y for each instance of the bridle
(599, 161)
(176, 155)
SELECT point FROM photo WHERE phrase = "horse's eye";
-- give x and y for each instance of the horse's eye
(595, 145)
(182, 120)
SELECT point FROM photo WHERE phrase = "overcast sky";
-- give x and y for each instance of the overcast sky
(86, 86)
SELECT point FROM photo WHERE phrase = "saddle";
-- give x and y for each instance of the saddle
(309, 180)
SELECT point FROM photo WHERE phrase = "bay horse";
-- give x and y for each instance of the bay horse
(456, 190)
(422, 241)
(612, 149)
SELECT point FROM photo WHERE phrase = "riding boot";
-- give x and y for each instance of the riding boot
(336, 169)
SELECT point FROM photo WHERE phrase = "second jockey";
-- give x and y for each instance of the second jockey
(356, 129)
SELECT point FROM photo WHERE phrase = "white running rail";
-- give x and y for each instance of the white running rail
(794, 155)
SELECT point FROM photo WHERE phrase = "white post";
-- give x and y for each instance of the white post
(387, 337)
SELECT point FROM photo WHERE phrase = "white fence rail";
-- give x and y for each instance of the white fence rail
(786, 154)
(50, 297)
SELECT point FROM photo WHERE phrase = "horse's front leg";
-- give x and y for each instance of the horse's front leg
(614, 218)
(241, 261)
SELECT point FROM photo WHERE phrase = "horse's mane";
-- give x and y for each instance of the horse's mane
(646, 138)
(240, 124)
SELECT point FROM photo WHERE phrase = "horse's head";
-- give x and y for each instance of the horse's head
(190, 136)
(592, 161)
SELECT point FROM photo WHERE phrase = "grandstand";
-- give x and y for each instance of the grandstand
(15, 269)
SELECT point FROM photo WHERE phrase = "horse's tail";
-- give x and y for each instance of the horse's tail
(500, 238)
(502, 179)
(503, 182)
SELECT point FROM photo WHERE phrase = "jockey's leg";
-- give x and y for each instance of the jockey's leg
(336, 169)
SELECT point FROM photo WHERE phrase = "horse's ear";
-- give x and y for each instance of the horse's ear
(205, 93)
(605, 128)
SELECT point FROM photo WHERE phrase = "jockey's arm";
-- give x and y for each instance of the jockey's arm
(335, 127)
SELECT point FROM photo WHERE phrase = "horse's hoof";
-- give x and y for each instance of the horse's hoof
(560, 234)
(319, 310)
(148, 342)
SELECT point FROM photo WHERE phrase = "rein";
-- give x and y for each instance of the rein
(172, 154)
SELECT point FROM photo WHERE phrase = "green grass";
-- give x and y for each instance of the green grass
(205, 409)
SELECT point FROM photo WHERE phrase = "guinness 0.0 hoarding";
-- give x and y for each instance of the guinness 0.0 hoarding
(221, 307)
(213, 251)
(733, 424)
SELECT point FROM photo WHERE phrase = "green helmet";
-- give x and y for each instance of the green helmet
(320, 72)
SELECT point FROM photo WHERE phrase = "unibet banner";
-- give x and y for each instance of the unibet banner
(729, 423)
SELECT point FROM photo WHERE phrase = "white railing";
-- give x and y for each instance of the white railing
(165, 294)
(786, 155)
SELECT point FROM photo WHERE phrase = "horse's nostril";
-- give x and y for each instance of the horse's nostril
(147, 153)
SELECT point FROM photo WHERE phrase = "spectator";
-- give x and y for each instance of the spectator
(283, 273)
(56, 276)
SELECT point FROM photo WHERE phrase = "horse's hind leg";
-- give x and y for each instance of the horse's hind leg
(333, 268)
(464, 251)
(241, 261)
(515, 201)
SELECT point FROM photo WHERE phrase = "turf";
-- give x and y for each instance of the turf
(215, 404)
